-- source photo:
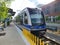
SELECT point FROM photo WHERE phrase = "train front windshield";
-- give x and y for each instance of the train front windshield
(37, 17)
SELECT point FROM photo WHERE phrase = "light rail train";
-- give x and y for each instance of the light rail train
(32, 19)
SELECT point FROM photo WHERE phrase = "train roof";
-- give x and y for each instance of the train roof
(31, 8)
(28, 8)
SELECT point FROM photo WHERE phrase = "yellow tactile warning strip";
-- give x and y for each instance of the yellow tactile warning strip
(32, 39)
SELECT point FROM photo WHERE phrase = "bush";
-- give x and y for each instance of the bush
(58, 18)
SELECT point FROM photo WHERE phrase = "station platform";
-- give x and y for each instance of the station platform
(12, 36)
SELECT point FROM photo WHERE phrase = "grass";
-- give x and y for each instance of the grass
(55, 32)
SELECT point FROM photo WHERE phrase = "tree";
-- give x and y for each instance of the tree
(3, 11)
(17, 18)
(7, 2)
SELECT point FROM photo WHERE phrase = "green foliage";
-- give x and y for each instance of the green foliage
(17, 18)
(46, 18)
(58, 18)
(3, 11)
(6, 0)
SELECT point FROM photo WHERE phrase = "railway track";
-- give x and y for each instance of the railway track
(47, 40)
(50, 41)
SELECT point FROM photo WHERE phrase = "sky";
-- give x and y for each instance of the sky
(21, 4)
(18, 5)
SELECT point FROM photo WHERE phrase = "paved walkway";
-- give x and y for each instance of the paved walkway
(12, 37)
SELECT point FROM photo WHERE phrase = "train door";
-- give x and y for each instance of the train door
(21, 19)
(25, 18)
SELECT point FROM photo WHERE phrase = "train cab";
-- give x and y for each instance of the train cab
(33, 20)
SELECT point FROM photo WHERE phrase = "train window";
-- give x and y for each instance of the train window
(25, 19)
(37, 18)
(21, 19)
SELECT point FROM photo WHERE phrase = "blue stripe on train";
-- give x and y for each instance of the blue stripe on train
(35, 27)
